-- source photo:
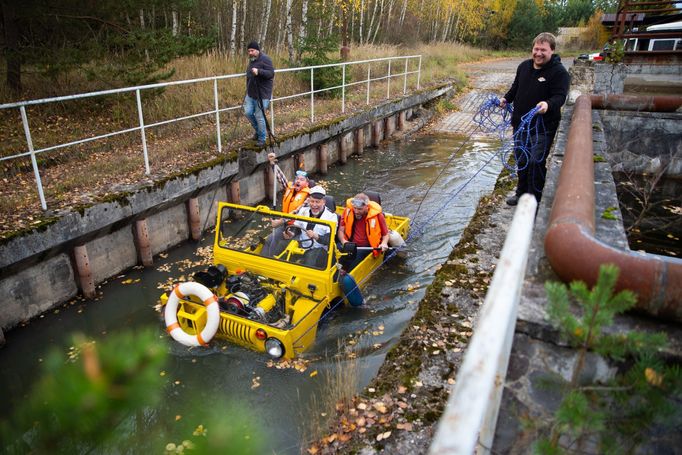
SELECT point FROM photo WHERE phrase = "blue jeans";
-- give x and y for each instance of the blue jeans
(253, 112)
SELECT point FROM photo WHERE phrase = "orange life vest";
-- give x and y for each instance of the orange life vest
(292, 200)
(372, 225)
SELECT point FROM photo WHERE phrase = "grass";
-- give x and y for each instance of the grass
(85, 173)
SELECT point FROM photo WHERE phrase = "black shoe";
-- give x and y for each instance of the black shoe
(260, 144)
(512, 200)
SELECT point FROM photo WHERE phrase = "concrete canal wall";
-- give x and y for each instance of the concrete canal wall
(47, 267)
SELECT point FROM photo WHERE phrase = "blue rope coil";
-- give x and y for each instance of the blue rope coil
(494, 119)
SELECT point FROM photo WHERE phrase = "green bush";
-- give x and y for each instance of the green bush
(315, 51)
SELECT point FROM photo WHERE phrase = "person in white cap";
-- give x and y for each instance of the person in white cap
(314, 237)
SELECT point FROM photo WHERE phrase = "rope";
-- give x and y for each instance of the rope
(490, 118)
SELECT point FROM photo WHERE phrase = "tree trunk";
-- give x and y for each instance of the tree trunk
(265, 22)
(419, 22)
(242, 38)
(459, 15)
(362, 17)
(176, 23)
(388, 15)
(289, 31)
(376, 30)
(233, 35)
(280, 18)
(12, 56)
(402, 14)
(371, 22)
(319, 26)
(331, 22)
(302, 34)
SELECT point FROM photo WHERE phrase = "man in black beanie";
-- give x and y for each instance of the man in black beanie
(259, 76)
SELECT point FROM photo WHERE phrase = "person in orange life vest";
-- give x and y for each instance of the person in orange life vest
(296, 192)
(363, 224)
(295, 196)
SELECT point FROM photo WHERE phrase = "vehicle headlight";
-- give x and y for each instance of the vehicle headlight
(274, 348)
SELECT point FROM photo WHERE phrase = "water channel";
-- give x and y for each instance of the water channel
(285, 403)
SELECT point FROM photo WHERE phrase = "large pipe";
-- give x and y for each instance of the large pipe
(574, 252)
(636, 102)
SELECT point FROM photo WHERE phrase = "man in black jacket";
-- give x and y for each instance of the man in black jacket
(259, 76)
(541, 82)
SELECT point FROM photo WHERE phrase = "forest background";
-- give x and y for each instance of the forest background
(115, 43)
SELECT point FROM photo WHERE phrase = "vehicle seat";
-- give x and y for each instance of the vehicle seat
(373, 196)
(330, 203)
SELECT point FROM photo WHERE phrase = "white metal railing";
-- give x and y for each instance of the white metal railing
(142, 127)
(468, 423)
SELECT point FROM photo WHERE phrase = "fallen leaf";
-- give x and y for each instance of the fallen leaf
(383, 436)
(381, 407)
(407, 426)
(344, 437)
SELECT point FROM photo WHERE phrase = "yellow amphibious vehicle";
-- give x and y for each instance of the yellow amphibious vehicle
(263, 298)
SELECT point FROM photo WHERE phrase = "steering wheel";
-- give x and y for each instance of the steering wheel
(292, 249)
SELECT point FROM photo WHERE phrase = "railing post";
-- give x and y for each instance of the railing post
(343, 88)
(419, 71)
(272, 115)
(388, 85)
(34, 162)
(405, 79)
(142, 132)
(369, 76)
(312, 96)
(217, 116)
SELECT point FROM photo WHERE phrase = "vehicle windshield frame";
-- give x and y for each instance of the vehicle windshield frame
(242, 229)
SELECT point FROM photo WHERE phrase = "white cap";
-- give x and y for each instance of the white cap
(318, 192)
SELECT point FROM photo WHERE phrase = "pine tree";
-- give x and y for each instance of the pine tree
(615, 416)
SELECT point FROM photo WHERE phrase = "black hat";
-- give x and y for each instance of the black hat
(253, 45)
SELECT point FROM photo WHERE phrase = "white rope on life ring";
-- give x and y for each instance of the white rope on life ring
(212, 314)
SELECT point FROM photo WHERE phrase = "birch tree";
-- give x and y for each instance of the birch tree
(265, 20)
(233, 34)
(289, 31)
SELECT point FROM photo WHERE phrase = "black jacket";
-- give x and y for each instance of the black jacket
(549, 83)
(262, 82)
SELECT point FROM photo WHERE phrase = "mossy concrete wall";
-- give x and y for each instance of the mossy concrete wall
(38, 272)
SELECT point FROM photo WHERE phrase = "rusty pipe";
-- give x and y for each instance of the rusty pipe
(637, 102)
(573, 251)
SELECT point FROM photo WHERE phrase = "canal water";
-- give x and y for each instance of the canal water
(284, 404)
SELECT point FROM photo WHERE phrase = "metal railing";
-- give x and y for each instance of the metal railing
(470, 416)
(31, 151)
